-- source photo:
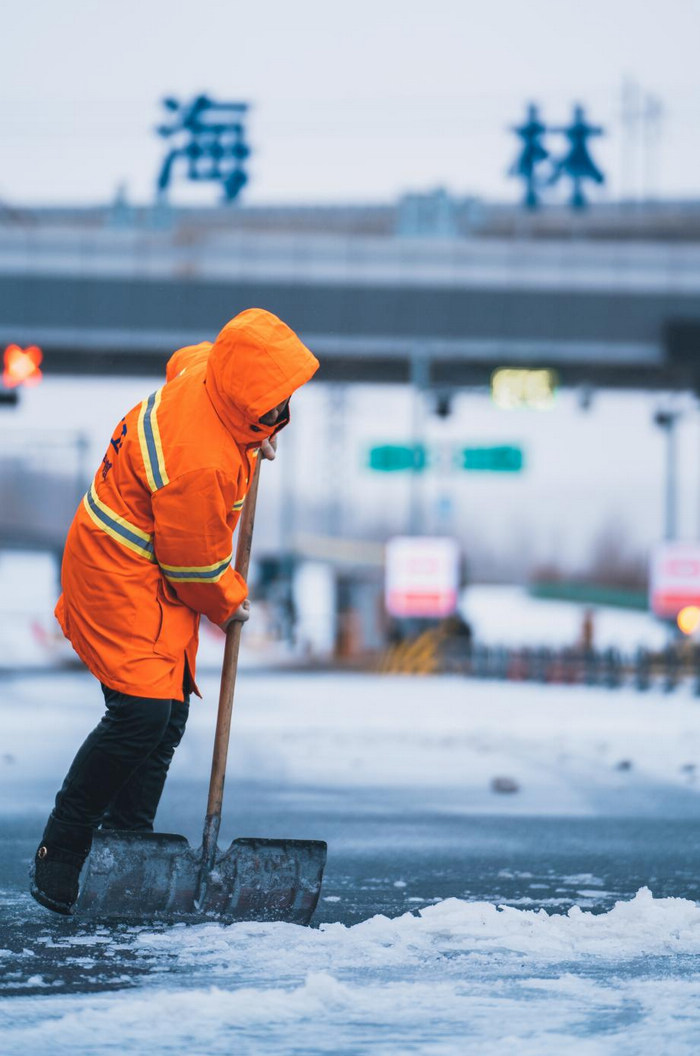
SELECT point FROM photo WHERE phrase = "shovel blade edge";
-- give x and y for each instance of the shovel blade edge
(135, 877)
(267, 879)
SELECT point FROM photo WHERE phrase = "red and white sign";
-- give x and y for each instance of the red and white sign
(674, 578)
(422, 576)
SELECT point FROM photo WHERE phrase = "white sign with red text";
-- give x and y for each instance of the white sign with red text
(422, 576)
(674, 578)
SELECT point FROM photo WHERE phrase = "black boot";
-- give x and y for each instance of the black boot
(125, 736)
(57, 864)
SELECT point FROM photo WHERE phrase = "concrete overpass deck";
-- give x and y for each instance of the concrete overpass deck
(119, 299)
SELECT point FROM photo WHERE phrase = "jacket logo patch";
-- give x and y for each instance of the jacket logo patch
(115, 443)
(119, 434)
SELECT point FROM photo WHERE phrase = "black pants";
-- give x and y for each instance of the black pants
(117, 777)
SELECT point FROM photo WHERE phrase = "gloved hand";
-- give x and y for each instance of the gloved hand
(241, 614)
(268, 448)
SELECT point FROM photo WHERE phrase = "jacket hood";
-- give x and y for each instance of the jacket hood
(255, 363)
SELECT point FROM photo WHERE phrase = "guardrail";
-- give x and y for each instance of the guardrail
(432, 653)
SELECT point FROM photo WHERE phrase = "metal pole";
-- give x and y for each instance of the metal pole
(667, 420)
(335, 454)
(288, 505)
(652, 115)
(420, 374)
(671, 481)
(82, 446)
(629, 100)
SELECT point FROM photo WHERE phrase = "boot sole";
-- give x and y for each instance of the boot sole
(50, 903)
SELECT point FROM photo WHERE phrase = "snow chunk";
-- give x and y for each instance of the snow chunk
(645, 925)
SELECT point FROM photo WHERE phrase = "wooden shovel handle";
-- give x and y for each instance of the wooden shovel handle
(230, 664)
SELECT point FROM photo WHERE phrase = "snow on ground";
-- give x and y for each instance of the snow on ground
(562, 745)
(454, 978)
(572, 750)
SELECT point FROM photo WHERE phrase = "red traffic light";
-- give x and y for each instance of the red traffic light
(21, 366)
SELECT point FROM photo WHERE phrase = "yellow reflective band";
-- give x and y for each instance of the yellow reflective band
(156, 436)
(144, 448)
(117, 527)
(150, 443)
(196, 573)
(238, 505)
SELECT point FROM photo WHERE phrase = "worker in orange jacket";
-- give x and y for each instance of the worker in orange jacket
(149, 552)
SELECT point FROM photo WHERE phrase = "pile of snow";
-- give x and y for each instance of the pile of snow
(453, 928)
(455, 978)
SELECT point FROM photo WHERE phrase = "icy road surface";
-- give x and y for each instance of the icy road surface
(561, 918)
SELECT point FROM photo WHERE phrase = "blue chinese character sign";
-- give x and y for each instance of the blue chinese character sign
(209, 138)
(538, 167)
(532, 154)
(577, 163)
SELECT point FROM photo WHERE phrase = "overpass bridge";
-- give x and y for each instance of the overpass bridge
(110, 294)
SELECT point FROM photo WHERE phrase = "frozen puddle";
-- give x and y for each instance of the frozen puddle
(453, 978)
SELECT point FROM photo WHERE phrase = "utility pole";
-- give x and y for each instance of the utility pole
(420, 378)
(652, 116)
(335, 457)
(288, 526)
(82, 471)
(629, 112)
(642, 115)
(667, 420)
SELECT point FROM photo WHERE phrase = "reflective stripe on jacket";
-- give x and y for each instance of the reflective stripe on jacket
(150, 547)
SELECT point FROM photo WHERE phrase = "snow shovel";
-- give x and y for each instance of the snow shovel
(150, 876)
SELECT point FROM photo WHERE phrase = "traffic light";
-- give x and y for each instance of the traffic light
(21, 366)
(688, 619)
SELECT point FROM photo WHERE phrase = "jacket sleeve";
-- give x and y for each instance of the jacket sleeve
(193, 529)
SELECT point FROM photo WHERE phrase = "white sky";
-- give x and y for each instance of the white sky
(355, 101)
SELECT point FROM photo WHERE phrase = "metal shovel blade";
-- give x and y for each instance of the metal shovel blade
(141, 877)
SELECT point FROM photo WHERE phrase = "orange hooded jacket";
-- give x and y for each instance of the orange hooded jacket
(150, 546)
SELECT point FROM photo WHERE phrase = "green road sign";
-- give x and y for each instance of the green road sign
(504, 459)
(394, 458)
